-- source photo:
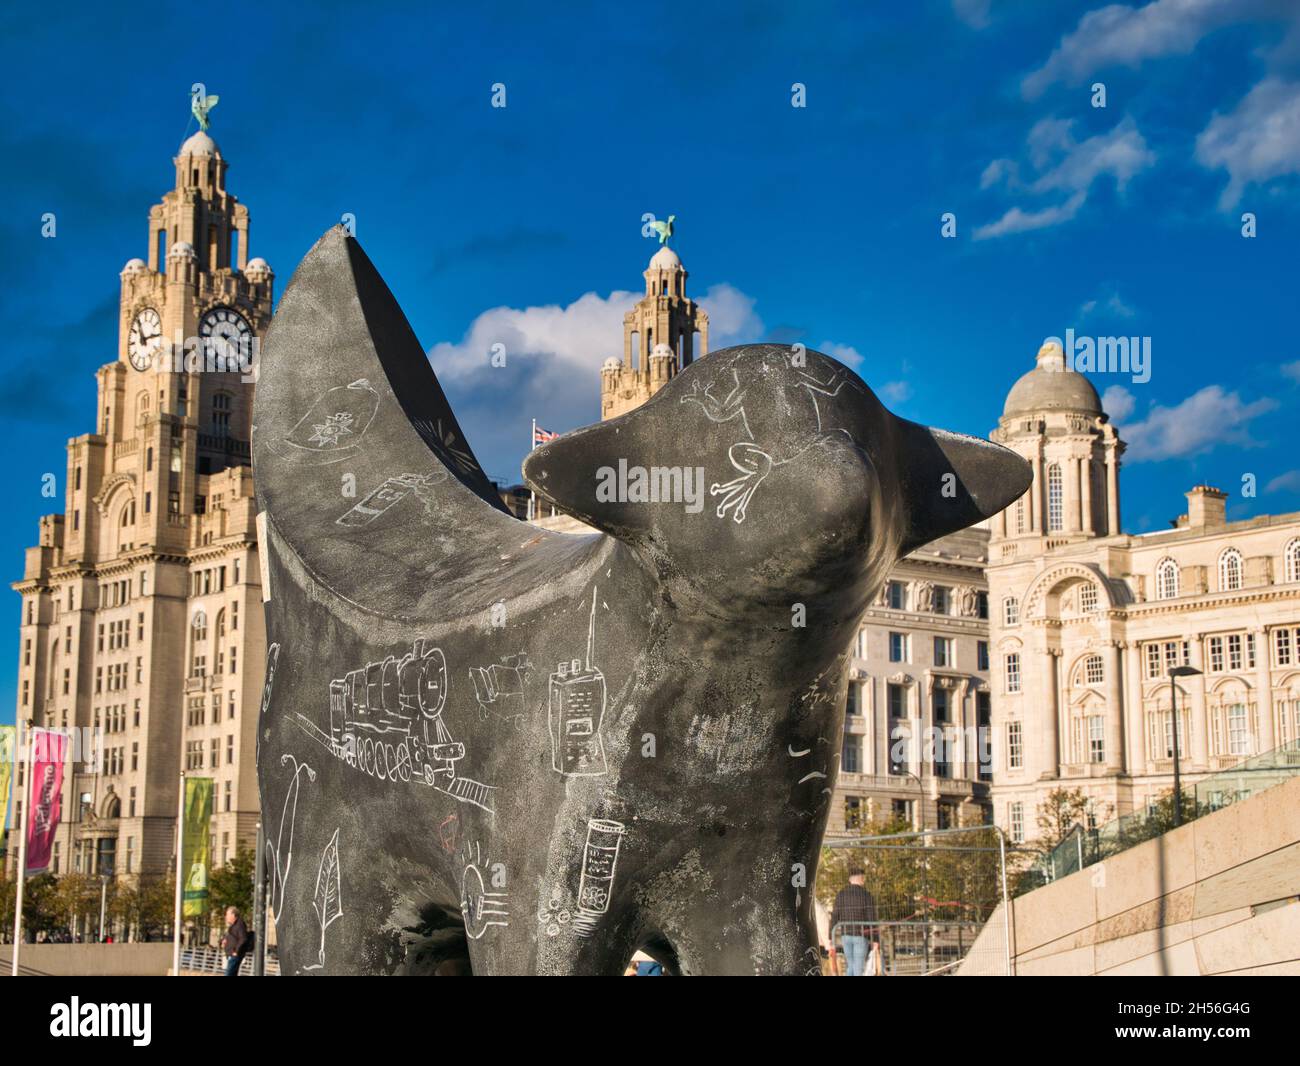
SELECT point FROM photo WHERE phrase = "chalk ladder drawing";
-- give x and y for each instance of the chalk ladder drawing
(386, 720)
(499, 688)
(328, 902)
(383, 499)
(480, 908)
(281, 851)
(780, 438)
(599, 861)
(333, 427)
(576, 710)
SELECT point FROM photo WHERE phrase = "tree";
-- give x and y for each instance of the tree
(231, 885)
(1064, 808)
(75, 896)
(40, 912)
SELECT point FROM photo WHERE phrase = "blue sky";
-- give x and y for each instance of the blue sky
(818, 224)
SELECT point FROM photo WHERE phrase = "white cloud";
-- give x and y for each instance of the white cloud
(845, 353)
(1017, 221)
(1257, 142)
(1118, 402)
(1208, 417)
(975, 13)
(732, 319)
(1117, 35)
(1065, 166)
(1109, 304)
(1292, 371)
(894, 392)
(1288, 481)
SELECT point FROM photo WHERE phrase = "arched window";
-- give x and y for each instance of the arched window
(142, 408)
(1291, 560)
(1055, 499)
(1230, 570)
(1093, 670)
(1166, 580)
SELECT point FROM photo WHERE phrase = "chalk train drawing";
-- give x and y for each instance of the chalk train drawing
(386, 721)
(332, 429)
(773, 415)
(392, 492)
(599, 859)
(480, 908)
(281, 851)
(272, 660)
(577, 707)
(328, 902)
(499, 688)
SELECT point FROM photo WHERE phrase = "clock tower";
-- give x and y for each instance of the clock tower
(142, 620)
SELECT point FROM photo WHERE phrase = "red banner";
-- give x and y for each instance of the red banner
(45, 797)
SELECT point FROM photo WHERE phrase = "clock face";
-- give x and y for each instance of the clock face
(145, 339)
(227, 338)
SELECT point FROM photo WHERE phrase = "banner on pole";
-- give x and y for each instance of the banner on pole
(7, 741)
(197, 846)
(44, 796)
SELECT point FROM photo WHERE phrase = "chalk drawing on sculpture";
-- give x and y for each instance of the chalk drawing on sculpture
(333, 428)
(575, 712)
(446, 444)
(386, 720)
(379, 501)
(499, 688)
(272, 660)
(328, 900)
(480, 906)
(555, 915)
(773, 413)
(280, 851)
(599, 861)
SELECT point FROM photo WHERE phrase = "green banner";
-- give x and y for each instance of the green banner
(7, 741)
(196, 854)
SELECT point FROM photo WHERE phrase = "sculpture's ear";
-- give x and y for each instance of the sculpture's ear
(949, 481)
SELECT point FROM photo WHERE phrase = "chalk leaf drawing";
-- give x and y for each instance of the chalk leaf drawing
(576, 710)
(773, 416)
(280, 852)
(480, 907)
(386, 720)
(328, 902)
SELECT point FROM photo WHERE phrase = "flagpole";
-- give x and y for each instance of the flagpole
(532, 496)
(22, 844)
(176, 922)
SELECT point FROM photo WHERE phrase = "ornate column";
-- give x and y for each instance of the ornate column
(1073, 469)
(1049, 723)
(1267, 739)
(1114, 735)
(1085, 485)
(1199, 746)
(1036, 493)
(1112, 490)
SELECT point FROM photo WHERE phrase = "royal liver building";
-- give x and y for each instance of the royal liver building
(141, 603)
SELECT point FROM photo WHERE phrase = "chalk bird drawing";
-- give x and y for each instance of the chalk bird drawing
(675, 738)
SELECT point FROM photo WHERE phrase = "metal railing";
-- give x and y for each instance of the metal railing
(1082, 846)
(211, 960)
(931, 893)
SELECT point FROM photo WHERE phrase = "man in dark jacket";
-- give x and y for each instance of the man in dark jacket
(855, 914)
(236, 942)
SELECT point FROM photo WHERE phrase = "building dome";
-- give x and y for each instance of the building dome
(665, 259)
(200, 144)
(257, 265)
(1050, 386)
(662, 351)
(134, 266)
(612, 363)
(182, 250)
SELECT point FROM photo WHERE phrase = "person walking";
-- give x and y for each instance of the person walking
(854, 913)
(236, 942)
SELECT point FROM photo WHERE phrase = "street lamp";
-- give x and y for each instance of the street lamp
(920, 810)
(1174, 673)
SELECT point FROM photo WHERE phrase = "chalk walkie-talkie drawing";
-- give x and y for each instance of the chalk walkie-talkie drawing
(651, 792)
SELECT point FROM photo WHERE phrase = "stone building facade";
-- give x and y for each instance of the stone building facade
(658, 338)
(141, 603)
(1086, 621)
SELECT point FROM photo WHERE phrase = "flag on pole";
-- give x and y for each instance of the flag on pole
(44, 796)
(7, 740)
(197, 847)
(541, 436)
